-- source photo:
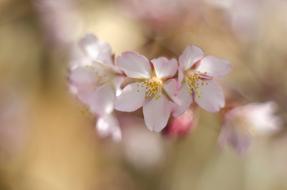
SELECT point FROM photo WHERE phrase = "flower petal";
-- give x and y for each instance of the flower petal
(118, 81)
(156, 113)
(184, 99)
(82, 78)
(214, 66)
(164, 67)
(78, 58)
(171, 88)
(262, 117)
(190, 56)
(108, 125)
(210, 97)
(97, 50)
(101, 101)
(134, 65)
(131, 98)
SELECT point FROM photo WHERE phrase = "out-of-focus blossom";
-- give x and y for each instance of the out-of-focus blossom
(148, 88)
(196, 75)
(108, 126)
(244, 122)
(94, 79)
(243, 15)
(142, 149)
(181, 125)
(245, 23)
(59, 20)
(160, 14)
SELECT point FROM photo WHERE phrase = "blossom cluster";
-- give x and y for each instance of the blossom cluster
(162, 87)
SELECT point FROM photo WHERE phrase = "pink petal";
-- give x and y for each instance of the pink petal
(156, 113)
(134, 65)
(214, 66)
(184, 100)
(101, 101)
(164, 68)
(108, 125)
(210, 97)
(97, 50)
(190, 56)
(131, 98)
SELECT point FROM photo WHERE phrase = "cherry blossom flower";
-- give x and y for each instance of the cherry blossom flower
(196, 76)
(149, 88)
(94, 79)
(244, 122)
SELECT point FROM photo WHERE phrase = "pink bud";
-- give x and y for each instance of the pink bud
(180, 126)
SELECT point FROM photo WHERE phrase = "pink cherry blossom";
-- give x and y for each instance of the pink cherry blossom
(150, 88)
(94, 79)
(244, 122)
(196, 76)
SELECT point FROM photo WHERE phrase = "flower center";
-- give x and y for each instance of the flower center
(193, 81)
(153, 86)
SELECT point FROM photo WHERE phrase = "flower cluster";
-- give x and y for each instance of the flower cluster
(163, 87)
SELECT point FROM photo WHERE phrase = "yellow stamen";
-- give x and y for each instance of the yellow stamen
(153, 86)
(193, 82)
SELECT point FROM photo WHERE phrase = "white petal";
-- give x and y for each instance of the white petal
(190, 56)
(131, 98)
(97, 50)
(262, 117)
(210, 97)
(108, 125)
(184, 99)
(156, 113)
(78, 58)
(164, 67)
(117, 81)
(83, 78)
(214, 66)
(134, 65)
(101, 101)
(171, 88)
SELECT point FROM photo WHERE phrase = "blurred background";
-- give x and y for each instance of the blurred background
(48, 140)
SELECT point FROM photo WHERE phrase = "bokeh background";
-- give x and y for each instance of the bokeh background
(47, 138)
